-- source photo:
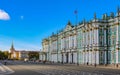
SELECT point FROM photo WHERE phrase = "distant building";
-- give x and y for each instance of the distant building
(13, 53)
(93, 42)
(19, 54)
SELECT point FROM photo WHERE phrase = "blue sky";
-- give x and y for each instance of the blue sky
(27, 22)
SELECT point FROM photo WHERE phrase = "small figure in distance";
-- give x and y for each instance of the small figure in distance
(5, 61)
(87, 63)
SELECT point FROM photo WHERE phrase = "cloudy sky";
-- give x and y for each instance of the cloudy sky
(27, 22)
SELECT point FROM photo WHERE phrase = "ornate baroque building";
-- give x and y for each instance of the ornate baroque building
(93, 42)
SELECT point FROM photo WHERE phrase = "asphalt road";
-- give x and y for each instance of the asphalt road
(22, 68)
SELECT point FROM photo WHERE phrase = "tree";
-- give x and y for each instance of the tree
(33, 55)
(4, 55)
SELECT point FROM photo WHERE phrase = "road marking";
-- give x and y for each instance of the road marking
(2, 69)
(5, 69)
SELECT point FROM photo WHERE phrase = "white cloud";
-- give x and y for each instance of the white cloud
(4, 15)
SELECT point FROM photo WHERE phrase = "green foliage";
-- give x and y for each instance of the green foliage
(4, 55)
(33, 55)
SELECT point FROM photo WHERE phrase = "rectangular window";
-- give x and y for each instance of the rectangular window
(72, 42)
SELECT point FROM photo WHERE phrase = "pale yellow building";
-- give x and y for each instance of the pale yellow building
(18, 54)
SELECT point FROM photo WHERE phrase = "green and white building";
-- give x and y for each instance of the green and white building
(94, 42)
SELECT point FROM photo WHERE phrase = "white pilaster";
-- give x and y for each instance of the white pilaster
(69, 41)
(90, 38)
(83, 57)
(117, 43)
(105, 62)
(86, 57)
(105, 37)
(116, 56)
(93, 57)
(97, 57)
(97, 36)
(61, 44)
(90, 57)
(75, 41)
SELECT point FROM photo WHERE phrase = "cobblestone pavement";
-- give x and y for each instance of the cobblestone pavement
(34, 68)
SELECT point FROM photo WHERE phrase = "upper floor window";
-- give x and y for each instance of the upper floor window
(100, 40)
(72, 42)
(100, 31)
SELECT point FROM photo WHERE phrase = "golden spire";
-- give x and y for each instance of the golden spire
(12, 47)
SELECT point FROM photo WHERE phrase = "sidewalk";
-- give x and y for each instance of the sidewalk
(109, 66)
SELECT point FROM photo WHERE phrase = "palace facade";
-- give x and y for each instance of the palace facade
(94, 42)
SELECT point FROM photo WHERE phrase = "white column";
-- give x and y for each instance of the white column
(104, 36)
(94, 36)
(91, 37)
(117, 39)
(74, 41)
(83, 57)
(83, 39)
(86, 57)
(86, 39)
(63, 43)
(56, 45)
(93, 57)
(69, 41)
(105, 62)
(89, 57)
(69, 57)
(116, 56)
(97, 57)
(64, 58)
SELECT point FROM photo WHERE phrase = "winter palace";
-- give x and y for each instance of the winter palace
(94, 42)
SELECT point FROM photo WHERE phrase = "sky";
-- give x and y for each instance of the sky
(27, 22)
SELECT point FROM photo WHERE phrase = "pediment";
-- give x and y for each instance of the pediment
(68, 27)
